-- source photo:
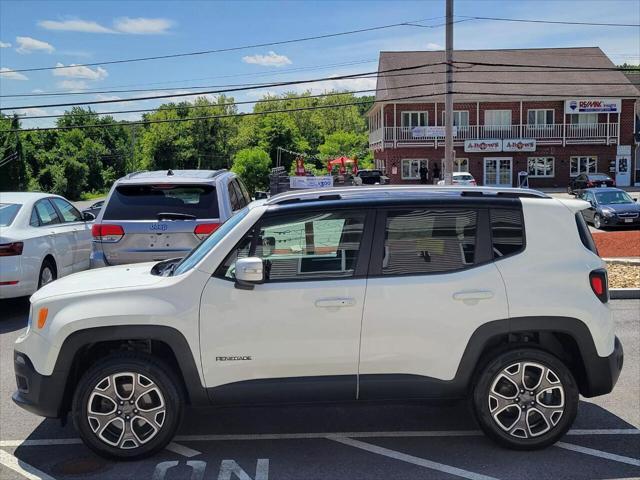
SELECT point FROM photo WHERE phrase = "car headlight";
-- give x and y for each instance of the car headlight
(607, 212)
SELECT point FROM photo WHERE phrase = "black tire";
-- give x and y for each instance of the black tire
(597, 223)
(47, 265)
(152, 369)
(483, 403)
(570, 190)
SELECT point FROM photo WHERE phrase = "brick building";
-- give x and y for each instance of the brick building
(554, 113)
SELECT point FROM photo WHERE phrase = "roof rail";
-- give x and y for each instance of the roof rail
(340, 193)
(133, 174)
(218, 172)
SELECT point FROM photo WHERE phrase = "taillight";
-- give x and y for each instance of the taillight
(203, 230)
(11, 249)
(473, 182)
(107, 233)
(589, 184)
(600, 284)
(613, 183)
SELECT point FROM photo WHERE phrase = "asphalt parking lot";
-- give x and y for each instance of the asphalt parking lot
(335, 441)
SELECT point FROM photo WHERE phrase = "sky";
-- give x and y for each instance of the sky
(50, 33)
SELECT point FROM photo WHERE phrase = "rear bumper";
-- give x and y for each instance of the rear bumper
(603, 372)
(96, 259)
(39, 394)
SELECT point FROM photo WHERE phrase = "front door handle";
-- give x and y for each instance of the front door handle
(473, 296)
(335, 302)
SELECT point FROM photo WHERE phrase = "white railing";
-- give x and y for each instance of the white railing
(538, 132)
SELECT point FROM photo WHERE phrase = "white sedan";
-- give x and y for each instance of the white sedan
(42, 237)
(461, 178)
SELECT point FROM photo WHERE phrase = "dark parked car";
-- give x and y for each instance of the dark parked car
(610, 207)
(372, 177)
(590, 180)
(94, 209)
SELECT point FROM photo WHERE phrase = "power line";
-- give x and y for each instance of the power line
(555, 22)
(235, 89)
(321, 95)
(229, 49)
(259, 74)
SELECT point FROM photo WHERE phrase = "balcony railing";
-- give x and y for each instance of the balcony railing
(595, 131)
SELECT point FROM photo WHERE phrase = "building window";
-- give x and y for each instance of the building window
(415, 119)
(583, 118)
(497, 117)
(411, 168)
(540, 117)
(429, 241)
(461, 165)
(541, 167)
(583, 165)
(460, 118)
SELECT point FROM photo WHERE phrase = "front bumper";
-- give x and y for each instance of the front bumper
(615, 221)
(603, 372)
(39, 394)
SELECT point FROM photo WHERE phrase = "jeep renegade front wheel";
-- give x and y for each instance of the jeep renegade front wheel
(127, 406)
(525, 399)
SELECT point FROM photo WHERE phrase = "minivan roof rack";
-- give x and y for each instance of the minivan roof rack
(341, 193)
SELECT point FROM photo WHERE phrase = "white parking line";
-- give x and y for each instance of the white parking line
(403, 457)
(314, 435)
(24, 469)
(182, 450)
(599, 453)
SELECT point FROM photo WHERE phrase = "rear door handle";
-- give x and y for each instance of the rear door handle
(335, 302)
(473, 295)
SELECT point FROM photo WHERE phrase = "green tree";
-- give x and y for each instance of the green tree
(343, 143)
(253, 165)
(13, 173)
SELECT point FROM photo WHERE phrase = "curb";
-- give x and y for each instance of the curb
(624, 293)
(622, 260)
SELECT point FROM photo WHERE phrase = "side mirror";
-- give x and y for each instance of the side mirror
(88, 216)
(635, 199)
(249, 272)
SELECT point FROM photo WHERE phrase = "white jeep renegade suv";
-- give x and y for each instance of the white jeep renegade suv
(342, 294)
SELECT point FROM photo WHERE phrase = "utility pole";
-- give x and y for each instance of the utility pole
(133, 147)
(448, 97)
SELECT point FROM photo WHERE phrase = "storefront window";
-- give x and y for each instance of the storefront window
(583, 165)
(411, 168)
(541, 167)
(461, 165)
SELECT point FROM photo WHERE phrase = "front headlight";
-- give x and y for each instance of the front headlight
(607, 212)
(30, 319)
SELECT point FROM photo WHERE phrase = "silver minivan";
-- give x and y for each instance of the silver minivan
(154, 216)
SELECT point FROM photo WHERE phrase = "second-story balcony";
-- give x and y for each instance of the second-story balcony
(558, 134)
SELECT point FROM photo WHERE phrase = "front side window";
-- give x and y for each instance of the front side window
(46, 212)
(69, 212)
(235, 198)
(302, 247)
(507, 232)
(414, 119)
(429, 241)
(540, 117)
(411, 168)
(579, 165)
(541, 166)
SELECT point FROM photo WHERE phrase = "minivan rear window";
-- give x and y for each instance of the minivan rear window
(145, 202)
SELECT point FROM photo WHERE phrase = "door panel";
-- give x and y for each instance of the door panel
(295, 336)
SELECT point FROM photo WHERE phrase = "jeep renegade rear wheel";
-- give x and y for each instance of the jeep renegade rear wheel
(127, 406)
(525, 399)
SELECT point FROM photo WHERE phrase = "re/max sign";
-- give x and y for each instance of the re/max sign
(592, 105)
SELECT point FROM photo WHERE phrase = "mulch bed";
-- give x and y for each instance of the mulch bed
(624, 243)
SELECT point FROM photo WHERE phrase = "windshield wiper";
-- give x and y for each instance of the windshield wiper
(175, 216)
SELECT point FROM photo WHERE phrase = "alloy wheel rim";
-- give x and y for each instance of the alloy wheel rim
(526, 399)
(126, 410)
(596, 221)
(46, 276)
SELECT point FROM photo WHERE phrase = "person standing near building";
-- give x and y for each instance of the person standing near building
(436, 173)
(424, 172)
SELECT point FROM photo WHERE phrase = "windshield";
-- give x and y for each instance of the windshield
(8, 212)
(599, 177)
(463, 177)
(211, 241)
(145, 202)
(612, 198)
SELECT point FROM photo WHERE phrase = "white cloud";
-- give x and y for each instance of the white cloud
(80, 71)
(86, 26)
(37, 90)
(73, 85)
(434, 46)
(142, 26)
(29, 112)
(5, 45)
(101, 96)
(272, 59)
(28, 45)
(7, 73)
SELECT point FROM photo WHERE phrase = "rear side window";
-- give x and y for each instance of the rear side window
(507, 232)
(8, 212)
(233, 197)
(245, 192)
(429, 241)
(145, 202)
(69, 212)
(46, 212)
(585, 234)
